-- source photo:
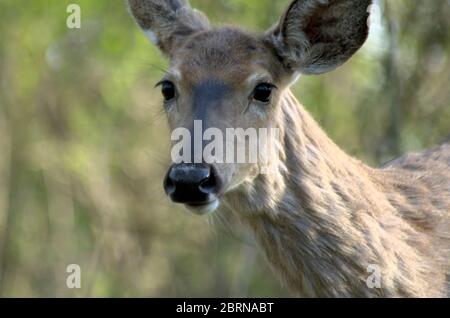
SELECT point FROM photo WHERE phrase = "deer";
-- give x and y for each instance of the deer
(322, 218)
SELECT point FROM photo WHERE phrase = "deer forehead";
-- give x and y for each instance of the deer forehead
(228, 55)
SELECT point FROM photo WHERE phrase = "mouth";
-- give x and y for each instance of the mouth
(204, 209)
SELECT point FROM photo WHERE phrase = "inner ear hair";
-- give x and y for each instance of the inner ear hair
(317, 36)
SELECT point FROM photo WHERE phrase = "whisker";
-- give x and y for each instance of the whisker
(147, 63)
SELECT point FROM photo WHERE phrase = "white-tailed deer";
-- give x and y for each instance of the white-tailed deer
(323, 219)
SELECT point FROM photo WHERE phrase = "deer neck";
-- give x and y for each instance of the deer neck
(311, 175)
(322, 220)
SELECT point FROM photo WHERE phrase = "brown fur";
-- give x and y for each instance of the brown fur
(336, 216)
(322, 218)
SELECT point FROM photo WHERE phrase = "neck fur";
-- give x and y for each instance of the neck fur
(323, 220)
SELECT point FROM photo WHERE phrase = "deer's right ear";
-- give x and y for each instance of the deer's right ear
(167, 22)
(316, 36)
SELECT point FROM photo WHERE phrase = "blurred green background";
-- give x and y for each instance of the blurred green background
(84, 144)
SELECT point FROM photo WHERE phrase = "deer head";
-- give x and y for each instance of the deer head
(228, 78)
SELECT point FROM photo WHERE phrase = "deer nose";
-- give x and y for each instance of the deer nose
(193, 184)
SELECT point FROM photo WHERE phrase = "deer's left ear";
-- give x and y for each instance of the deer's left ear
(167, 22)
(317, 36)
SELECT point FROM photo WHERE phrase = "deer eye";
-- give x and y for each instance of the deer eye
(167, 90)
(263, 92)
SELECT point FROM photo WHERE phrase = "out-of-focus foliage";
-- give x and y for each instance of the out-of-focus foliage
(84, 144)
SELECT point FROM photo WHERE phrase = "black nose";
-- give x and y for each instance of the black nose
(193, 184)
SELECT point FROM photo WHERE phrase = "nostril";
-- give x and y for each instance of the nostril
(208, 186)
(211, 184)
(169, 186)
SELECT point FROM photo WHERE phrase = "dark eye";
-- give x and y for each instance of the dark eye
(168, 90)
(263, 92)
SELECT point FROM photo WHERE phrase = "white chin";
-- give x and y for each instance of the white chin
(204, 209)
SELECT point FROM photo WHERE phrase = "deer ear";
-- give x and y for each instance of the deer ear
(317, 36)
(167, 22)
